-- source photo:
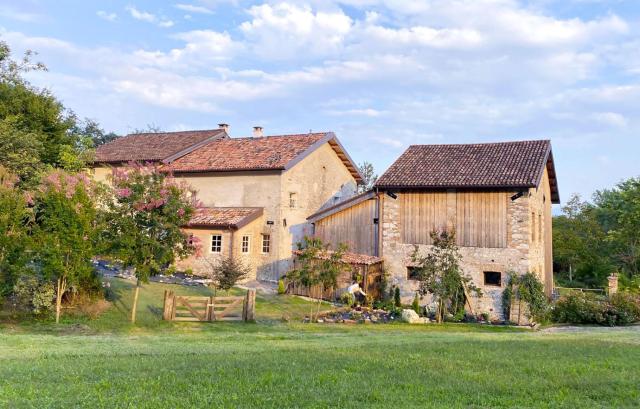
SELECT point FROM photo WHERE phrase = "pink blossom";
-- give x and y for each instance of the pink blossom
(124, 192)
(28, 197)
(181, 212)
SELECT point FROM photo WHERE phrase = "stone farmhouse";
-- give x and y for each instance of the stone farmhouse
(257, 191)
(263, 194)
(496, 196)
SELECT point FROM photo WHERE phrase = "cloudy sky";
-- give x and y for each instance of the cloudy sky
(382, 74)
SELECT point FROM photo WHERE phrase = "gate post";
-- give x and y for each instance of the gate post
(249, 306)
(167, 310)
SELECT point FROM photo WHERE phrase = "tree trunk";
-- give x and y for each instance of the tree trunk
(320, 301)
(61, 288)
(570, 273)
(135, 302)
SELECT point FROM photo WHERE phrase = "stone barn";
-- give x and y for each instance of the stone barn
(496, 196)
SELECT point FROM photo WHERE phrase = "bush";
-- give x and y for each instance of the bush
(528, 288)
(415, 305)
(396, 297)
(347, 298)
(627, 307)
(587, 308)
(34, 295)
(281, 289)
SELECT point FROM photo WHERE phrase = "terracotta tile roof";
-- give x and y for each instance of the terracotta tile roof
(488, 165)
(264, 153)
(154, 146)
(225, 217)
(348, 258)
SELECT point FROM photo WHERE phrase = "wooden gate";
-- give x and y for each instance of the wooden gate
(189, 308)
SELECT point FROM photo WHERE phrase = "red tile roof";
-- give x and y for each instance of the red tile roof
(348, 258)
(160, 146)
(224, 217)
(263, 153)
(487, 165)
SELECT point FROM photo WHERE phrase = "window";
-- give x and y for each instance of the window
(293, 200)
(216, 243)
(190, 240)
(493, 278)
(413, 273)
(266, 243)
(245, 244)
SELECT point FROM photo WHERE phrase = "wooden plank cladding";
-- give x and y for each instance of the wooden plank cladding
(479, 218)
(353, 226)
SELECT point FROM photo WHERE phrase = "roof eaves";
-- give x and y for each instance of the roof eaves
(338, 207)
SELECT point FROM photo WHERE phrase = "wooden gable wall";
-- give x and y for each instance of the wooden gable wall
(479, 218)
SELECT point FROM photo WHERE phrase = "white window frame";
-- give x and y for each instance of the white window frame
(247, 249)
(266, 238)
(218, 248)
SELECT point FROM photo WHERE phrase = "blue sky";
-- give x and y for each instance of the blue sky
(382, 74)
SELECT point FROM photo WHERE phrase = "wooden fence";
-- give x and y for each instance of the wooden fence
(190, 308)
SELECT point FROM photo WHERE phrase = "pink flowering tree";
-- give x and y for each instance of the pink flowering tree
(143, 220)
(64, 232)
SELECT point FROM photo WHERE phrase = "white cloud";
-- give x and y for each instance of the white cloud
(612, 119)
(107, 16)
(149, 17)
(191, 8)
(13, 14)
(286, 30)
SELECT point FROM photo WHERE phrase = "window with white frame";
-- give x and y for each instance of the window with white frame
(266, 243)
(216, 243)
(245, 244)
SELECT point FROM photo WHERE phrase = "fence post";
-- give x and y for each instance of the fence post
(167, 310)
(249, 306)
(211, 315)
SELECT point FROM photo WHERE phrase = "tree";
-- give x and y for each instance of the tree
(15, 220)
(142, 222)
(580, 250)
(440, 274)
(36, 131)
(317, 266)
(618, 211)
(65, 232)
(226, 272)
(369, 176)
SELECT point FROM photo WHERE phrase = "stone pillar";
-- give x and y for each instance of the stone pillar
(613, 283)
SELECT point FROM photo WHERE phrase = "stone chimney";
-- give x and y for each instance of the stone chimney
(257, 132)
(224, 127)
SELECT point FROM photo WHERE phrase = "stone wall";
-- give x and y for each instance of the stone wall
(517, 257)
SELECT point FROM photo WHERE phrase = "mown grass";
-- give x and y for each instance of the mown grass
(274, 364)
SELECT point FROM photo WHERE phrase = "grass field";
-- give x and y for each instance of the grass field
(108, 363)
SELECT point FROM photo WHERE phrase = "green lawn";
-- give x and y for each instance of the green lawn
(107, 363)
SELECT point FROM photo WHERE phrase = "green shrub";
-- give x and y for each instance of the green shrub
(281, 289)
(34, 295)
(588, 308)
(347, 298)
(578, 308)
(415, 305)
(627, 307)
(396, 297)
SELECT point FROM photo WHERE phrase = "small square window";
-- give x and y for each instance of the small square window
(493, 278)
(413, 273)
(266, 243)
(245, 244)
(216, 243)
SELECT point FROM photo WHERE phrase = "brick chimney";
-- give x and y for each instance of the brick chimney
(257, 132)
(224, 127)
